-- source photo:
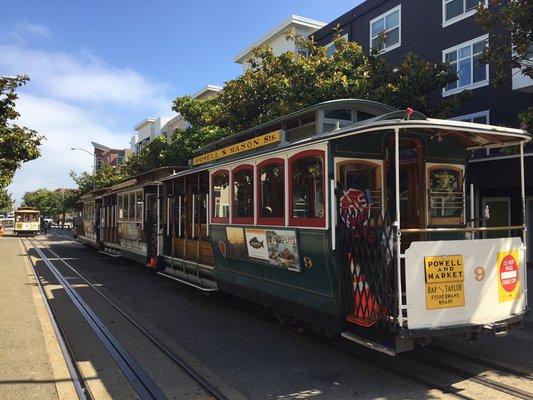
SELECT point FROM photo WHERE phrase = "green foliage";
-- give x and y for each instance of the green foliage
(278, 85)
(510, 44)
(510, 28)
(48, 202)
(154, 155)
(17, 144)
(6, 201)
(104, 177)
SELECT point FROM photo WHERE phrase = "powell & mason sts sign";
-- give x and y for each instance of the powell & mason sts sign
(247, 145)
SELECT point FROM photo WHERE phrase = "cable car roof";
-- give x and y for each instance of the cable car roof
(471, 135)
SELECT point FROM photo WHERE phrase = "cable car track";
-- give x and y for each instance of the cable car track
(139, 379)
(463, 373)
(523, 373)
(82, 390)
(395, 367)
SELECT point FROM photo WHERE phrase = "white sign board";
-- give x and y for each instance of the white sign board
(489, 273)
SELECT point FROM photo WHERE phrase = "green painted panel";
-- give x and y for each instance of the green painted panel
(313, 286)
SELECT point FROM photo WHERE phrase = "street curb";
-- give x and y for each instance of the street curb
(63, 381)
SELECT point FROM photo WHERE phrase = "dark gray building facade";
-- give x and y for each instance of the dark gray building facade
(445, 30)
(436, 30)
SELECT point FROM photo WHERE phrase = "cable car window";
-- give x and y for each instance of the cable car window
(446, 197)
(126, 213)
(220, 194)
(131, 203)
(138, 206)
(357, 175)
(360, 181)
(120, 205)
(271, 191)
(243, 194)
(307, 205)
(344, 115)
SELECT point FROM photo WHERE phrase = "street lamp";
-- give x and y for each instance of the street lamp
(94, 162)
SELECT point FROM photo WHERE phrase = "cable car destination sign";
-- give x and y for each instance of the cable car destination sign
(444, 282)
(247, 145)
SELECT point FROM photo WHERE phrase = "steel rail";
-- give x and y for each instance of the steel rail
(139, 379)
(487, 382)
(77, 377)
(189, 370)
(347, 348)
(396, 370)
(483, 362)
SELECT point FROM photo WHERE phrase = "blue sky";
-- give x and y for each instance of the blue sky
(98, 68)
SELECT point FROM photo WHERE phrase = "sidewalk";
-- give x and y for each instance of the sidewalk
(31, 363)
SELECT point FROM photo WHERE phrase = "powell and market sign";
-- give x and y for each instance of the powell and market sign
(247, 145)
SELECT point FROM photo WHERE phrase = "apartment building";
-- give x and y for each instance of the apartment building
(438, 30)
(277, 40)
(105, 155)
(445, 30)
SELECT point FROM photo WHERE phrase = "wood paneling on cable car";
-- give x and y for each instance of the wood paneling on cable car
(193, 244)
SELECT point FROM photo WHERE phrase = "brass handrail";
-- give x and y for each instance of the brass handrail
(466, 229)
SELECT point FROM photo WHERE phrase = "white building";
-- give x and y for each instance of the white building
(146, 131)
(277, 40)
(178, 122)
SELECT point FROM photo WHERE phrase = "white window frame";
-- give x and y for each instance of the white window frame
(470, 117)
(460, 17)
(384, 15)
(471, 85)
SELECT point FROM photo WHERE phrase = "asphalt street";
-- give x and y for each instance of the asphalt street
(252, 355)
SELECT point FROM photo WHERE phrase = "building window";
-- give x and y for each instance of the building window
(464, 59)
(330, 48)
(456, 10)
(98, 162)
(220, 195)
(120, 160)
(307, 191)
(478, 118)
(243, 194)
(388, 27)
(271, 192)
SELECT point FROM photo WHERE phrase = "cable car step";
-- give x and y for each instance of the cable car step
(498, 328)
(368, 343)
(190, 281)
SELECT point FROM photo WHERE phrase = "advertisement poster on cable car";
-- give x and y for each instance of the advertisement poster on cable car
(283, 248)
(257, 244)
(236, 242)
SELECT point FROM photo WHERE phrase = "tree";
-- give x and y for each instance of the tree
(17, 144)
(6, 201)
(154, 155)
(52, 203)
(510, 44)
(107, 175)
(278, 85)
(48, 202)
